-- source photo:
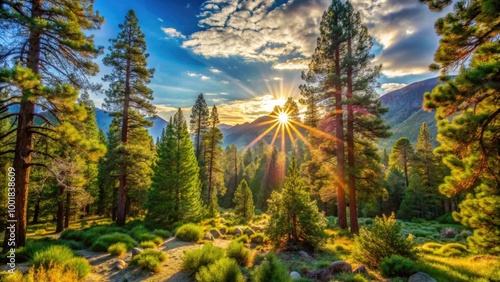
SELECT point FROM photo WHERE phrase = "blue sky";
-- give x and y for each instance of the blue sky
(247, 55)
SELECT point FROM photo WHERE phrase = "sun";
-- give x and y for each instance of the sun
(283, 118)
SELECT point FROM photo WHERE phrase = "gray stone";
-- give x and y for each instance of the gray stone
(119, 265)
(222, 231)
(340, 266)
(361, 270)
(256, 228)
(249, 231)
(304, 254)
(237, 231)
(294, 275)
(208, 236)
(421, 277)
(136, 251)
(215, 233)
(328, 273)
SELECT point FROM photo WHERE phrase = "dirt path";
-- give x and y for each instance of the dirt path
(102, 263)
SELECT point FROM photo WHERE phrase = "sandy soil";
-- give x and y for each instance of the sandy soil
(171, 270)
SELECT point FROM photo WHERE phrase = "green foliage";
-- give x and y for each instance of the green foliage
(272, 270)
(148, 245)
(80, 265)
(382, 240)
(193, 260)
(243, 201)
(351, 277)
(102, 243)
(72, 244)
(223, 270)
(238, 252)
(175, 194)
(258, 238)
(242, 239)
(294, 217)
(52, 255)
(118, 249)
(146, 237)
(189, 232)
(71, 234)
(199, 123)
(452, 250)
(162, 233)
(149, 260)
(397, 266)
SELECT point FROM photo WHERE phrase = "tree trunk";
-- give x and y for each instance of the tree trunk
(60, 211)
(447, 205)
(353, 211)
(22, 155)
(36, 213)
(68, 209)
(339, 130)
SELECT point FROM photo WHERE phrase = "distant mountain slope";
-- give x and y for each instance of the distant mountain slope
(104, 121)
(405, 114)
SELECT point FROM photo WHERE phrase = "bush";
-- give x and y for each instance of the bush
(80, 265)
(146, 237)
(72, 244)
(189, 232)
(57, 273)
(397, 266)
(452, 250)
(102, 244)
(148, 245)
(223, 270)
(138, 231)
(350, 277)
(238, 252)
(446, 219)
(92, 234)
(149, 260)
(382, 240)
(72, 234)
(431, 247)
(118, 249)
(193, 260)
(242, 239)
(162, 233)
(272, 270)
(258, 238)
(55, 254)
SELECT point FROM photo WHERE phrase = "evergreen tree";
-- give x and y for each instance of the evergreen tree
(291, 109)
(295, 218)
(46, 40)
(401, 157)
(311, 98)
(395, 187)
(243, 201)
(175, 193)
(212, 140)
(468, 115)
(232, 174)
(199, 123)
(128, 96)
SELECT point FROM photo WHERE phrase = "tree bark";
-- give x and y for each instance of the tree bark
(68, 209)
(60, 211)
(36, 213)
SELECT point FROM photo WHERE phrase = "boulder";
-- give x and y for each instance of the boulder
(136, 251)
(222, 231)
(208, 236)
(249, 231)
(340, 266)
(304, 254)
(215, 233)
(119, 265)
(294, 275)
(361, 270)
(421, 277)
(256, 228)
(237, 232)
(328, 273)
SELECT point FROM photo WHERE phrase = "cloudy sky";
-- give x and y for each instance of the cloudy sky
(246, 56)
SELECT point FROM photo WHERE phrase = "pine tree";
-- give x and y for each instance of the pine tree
(52, 49)
(232, 174)
(292, 109)
(295, 218)
(212, 140)
(243, 201)
(128, 96)
(199, 123)
(401, 157)
(468, 115)
(175, 193)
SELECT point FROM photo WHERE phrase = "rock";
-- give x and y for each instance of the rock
(215, 233)
(421, 277)
(294, 275)
(304, 254)
(119, 265)
(249, 231)
(321, 275)
(361, 270)
(136, 251)
(340, 266)
(256, 228)
(222, 231)
(208, 236)
(237, 231)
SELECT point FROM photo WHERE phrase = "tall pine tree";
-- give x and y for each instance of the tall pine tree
(199, 123)
(401, 157)
(128, 96)
(243, 202)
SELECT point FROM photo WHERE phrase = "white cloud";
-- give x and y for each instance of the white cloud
(224, 82)
(173, 33)
(160, 19)
(204, 77)
(214, 70)
(388, 87)
(192, 74)
(294, 64)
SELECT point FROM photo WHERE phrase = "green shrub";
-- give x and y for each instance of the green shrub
(148, 245)
(431, 247)
(139, 231)
(162, 233)
(102, 243)
(176, 226)
(27, 252)
(193, 260)
(421, 233)
(223, 270)
(189, 232)
(55, 254)
(118, 249)
(446, 219)
(397, 266)
(272, 270)
(243, 239)
(80, 265)
(72, 244)
(452, 250)
(382, 240)
(72, 234)
(350, 277)
(93, 233)
(149, 260)
(146, 237)
(238, 252)
(258, 238)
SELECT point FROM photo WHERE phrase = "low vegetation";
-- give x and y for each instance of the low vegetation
(149, 260)
(189, 232)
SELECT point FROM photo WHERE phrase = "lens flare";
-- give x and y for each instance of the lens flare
(283, 118)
